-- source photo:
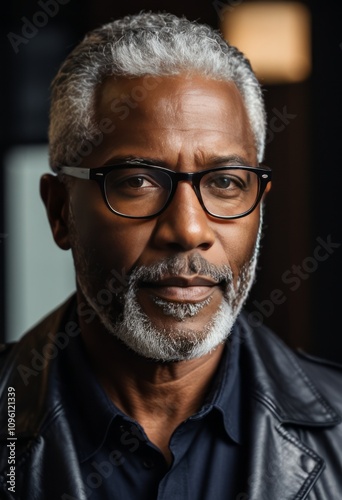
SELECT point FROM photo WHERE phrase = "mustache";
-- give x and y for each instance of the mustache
(181, 265)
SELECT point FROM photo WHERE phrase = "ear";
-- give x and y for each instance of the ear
(56, 200)
(268, 188)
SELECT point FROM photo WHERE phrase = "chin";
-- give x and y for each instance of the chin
(175, 340)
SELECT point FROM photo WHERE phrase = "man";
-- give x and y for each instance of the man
(150, 383)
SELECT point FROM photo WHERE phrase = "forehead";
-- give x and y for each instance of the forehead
(182, 111)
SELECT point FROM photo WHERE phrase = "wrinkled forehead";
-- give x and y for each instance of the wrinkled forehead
(191, 105)
(180, 92)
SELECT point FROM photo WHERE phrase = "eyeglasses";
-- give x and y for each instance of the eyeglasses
(141, 191)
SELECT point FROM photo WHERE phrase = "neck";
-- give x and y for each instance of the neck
(158, 395)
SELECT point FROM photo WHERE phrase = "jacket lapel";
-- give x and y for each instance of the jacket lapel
(280, 465)
(284, 406)
(43, 436)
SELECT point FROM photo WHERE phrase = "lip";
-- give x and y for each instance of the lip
(180, 281)
(182, 289)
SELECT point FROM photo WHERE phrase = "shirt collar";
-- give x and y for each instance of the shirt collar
(225, 393)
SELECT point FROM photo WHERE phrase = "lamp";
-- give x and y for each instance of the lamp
(275, 37)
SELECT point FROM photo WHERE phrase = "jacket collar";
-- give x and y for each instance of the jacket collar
(279, 381)
(32, 376)
(285, 406)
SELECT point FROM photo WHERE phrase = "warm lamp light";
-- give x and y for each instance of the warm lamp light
(275, 36)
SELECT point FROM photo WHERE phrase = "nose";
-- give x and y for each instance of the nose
(184, 225)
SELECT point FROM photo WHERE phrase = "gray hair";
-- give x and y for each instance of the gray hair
(136, 46)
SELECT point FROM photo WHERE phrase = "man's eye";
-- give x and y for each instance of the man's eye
(138, 182)
(134, 182)
(222, 182)
(227, 182)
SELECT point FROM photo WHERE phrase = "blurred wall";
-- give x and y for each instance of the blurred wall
(303, 211)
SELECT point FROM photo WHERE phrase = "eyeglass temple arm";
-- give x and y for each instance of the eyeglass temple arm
(81, 173)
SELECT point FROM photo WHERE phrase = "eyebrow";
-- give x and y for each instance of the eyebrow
(213, 160)
(231, 159)
(136, 159)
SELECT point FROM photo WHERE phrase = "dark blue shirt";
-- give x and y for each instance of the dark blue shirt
(119, 462)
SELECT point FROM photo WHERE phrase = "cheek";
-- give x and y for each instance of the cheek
(238, 239)
(113, 242)
(123, 242)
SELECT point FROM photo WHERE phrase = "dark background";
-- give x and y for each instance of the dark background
(304, 203)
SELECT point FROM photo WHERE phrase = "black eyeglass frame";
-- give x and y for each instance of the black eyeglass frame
(98, 174)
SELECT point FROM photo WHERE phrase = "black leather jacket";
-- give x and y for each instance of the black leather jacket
(294, 401)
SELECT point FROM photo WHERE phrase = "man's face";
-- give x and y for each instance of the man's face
(207, 264)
